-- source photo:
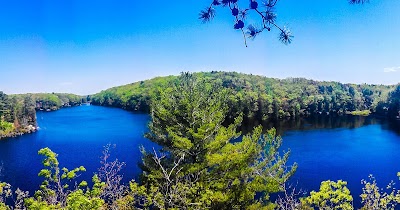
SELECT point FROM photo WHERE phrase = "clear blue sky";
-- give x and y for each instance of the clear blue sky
(86, 46)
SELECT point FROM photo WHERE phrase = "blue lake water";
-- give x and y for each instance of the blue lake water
(344, 153)
(78, 135)
(324, 150)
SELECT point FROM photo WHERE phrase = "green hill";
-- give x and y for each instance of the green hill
(262, 97)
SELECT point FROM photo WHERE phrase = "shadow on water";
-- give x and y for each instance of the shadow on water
(393, 126)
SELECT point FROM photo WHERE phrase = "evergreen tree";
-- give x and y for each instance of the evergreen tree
(205, 164)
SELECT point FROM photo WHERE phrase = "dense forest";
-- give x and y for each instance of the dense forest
(54, 101)
(263, 98)
(200, 165)
(18, 112)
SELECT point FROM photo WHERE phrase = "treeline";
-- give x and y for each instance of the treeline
(264, 98)
(135, 96)
(18, 112)
(54, 101)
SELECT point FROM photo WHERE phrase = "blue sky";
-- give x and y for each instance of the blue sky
(83, 47)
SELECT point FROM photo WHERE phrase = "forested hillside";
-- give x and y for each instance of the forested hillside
(261, 97)
(18, 112)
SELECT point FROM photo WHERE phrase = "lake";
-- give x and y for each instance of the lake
(78, 135)
(351, 152)
(347, 148)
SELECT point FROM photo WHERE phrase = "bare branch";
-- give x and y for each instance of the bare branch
(109, 174)
(290, 198)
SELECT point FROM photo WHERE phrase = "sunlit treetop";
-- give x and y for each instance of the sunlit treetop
(265, 9)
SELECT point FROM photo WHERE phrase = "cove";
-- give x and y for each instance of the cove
(324, 148)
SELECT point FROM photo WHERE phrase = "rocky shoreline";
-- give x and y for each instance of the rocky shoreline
(26, 130)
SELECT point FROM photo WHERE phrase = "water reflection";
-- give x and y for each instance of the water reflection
(393, 126)
(322, 122)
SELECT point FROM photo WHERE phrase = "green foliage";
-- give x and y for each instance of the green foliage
(52, 101)
(5, 193)
(17, 115)
(260, 97)
(38, 204)
(55, 192)
(239, 194)
(86, 199)
(6, 127)
(3, 206)
(361, 113)
(205, 165)
(250, 166)
(134, 96)
(83, 200)
(190, 113)
(331, 195)
(137, 195)
(375, 198)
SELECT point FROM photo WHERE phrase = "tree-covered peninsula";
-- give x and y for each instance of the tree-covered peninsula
(264, 98)
(18, 111)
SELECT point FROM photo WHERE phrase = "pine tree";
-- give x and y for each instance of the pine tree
(204, 164)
